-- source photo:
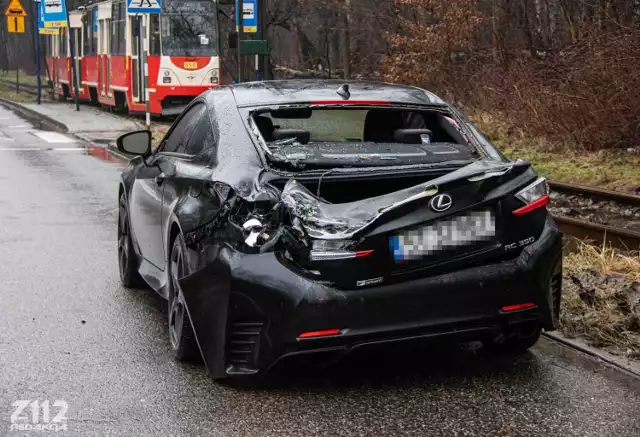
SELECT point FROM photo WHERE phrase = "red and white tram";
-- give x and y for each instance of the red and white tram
(183, 55)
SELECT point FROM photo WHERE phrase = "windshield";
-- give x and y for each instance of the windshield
(189, 28)
(364, 137)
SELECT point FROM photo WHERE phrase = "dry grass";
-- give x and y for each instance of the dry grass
(9, 93)
(598, 298)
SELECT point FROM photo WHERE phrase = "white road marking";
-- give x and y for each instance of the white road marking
(54, 137)
(20, 126)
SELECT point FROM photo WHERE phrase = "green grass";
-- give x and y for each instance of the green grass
(10, 78)
(609, 169)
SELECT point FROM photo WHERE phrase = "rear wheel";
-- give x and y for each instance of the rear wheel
(518, 340)
(127, 261)
(183, 342)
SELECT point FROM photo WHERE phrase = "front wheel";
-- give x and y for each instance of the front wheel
(183, 342)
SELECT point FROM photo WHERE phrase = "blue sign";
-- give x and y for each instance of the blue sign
(249, 15)
(55, 13)
(144, 6)
(42, 30)
(95, 20)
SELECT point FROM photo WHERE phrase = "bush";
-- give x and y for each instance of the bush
(587, 94)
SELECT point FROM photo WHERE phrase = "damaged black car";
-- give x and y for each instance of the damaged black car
(288, 218)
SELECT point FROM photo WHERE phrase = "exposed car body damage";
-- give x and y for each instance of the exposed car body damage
(278, 249)
(328, 221)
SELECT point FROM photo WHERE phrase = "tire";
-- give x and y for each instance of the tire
(127, 258)
(183, 342)
(519, 341)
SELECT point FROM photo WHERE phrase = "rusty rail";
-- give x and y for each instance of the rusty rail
(597, 193)
(600, 234)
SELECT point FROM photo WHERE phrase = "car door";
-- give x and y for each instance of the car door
(145, 203)
(198, 154)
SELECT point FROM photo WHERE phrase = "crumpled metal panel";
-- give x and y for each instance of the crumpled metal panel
(324, 220)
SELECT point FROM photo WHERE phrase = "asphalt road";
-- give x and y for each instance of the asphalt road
(69, 331)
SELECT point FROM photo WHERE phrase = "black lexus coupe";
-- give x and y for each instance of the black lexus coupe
(289, 218)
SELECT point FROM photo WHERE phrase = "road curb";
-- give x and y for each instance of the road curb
(39, 120)
(628, 366)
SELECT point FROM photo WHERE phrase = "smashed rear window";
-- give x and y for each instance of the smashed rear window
(356, 136)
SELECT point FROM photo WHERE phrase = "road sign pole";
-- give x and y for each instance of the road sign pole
(240, 19)
(36, 32)
(73, 60)
(145, 76)
(15, 21)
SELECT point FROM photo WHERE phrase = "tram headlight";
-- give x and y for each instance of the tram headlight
(211, 78)
(168, 77)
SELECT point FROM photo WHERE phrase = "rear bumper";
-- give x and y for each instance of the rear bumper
(272, 306)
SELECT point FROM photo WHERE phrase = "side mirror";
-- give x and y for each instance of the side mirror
(135, 143)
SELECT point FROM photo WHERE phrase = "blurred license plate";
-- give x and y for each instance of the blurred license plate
(457, 231)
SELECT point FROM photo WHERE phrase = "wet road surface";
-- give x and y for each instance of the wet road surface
(70, 331)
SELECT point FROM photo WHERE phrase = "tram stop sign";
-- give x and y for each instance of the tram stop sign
(144, 6)
(15, 9)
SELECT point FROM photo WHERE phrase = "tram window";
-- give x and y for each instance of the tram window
(189, 28)
(89, 34)
(63, 42)
(119, 15)
(154, 31)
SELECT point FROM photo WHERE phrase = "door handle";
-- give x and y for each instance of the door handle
(160, 179)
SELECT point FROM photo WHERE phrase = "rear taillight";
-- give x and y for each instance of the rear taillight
(323, 333)
(535, 195)
(518, 307)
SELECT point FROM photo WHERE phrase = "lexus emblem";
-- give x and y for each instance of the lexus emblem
(441, 202)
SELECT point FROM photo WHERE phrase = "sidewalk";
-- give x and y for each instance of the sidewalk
(90, 124)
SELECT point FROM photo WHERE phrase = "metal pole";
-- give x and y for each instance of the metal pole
(37, 37)
(15, 39)
(73, 59)
(240, 15)
(264, 68)
(259, 5)
(145, 76)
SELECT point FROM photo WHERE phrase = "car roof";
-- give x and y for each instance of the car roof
(309, 90)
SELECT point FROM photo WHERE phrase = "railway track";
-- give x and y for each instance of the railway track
(616, 236)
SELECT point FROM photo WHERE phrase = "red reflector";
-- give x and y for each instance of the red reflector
(543, 201)
(363, 253)
(520, 306)
(324, 333)
(349, 102)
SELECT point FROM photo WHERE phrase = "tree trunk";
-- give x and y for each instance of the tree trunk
(345, 44)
